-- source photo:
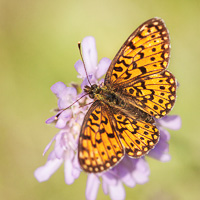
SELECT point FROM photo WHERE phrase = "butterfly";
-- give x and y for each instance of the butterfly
(136, 90)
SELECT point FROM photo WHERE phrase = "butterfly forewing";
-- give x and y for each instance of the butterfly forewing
(145, 52)
(99, 145)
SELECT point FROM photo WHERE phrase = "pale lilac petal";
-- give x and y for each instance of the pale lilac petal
(71, 142)
(58, 148)
(52, 156)
(123, 171)
(105, 187)
(61, 123)
(89, 54)
(164, 134)
(48, 145)
(58, 88)
(163, 157)
(172, 122)
(109, 177)
(76, 172)
(92, 187)
(76, 167)
(68, 97)
(45, 172)
(68, 169)
(63, 118)
(102, 67)
(80, 69)
(128, 180)
(141, 172)
(50, 120)
(161, 150)
(117, 192)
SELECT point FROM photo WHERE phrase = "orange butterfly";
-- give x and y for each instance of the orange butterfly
(136, 89)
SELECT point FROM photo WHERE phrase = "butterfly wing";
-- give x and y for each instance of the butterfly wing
(99, 146)
(138, 69)
(145, 52)
(154, 94)
(137, 136)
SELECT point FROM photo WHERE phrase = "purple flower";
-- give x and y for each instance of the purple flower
(129, 171)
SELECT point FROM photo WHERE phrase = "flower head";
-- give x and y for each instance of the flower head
(129, 171)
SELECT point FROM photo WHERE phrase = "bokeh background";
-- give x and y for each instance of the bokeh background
(38, 47)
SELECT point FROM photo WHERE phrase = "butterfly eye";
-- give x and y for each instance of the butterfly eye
(93, 86)
(91, 95)
(87, 89)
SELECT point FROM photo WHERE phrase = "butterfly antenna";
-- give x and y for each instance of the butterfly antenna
(86, 104)
(79, 46)
(56, 117)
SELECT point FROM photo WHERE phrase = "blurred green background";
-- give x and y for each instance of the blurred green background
(38, 47)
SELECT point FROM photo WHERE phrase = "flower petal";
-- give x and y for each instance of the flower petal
(141, 172)
(67, 97)
(51, 119)
(58, 148)
(45, 172)
(129, 180)
(161, 151)
(103, 66)
(80, 69)
(89, 54)
(48, 145)
(117, 192)
(63, 118)
(171, 121)
(76, 167)
(124, 169)
(105, 187)
(110, 177)
(163, 157)
(92, 187)
(68, 168)
(58, 88)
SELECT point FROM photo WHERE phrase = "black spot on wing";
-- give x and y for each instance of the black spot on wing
(118, 69)
(94, 116)
(143, 70)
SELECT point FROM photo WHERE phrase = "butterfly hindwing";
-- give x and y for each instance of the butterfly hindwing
(154, 94)
(99, 145)
(145, 52)
(137, 136)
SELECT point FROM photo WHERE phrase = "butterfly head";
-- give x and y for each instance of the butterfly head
(92, 90)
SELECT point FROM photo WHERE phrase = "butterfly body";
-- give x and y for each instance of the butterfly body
(137, 89)
(117, 101)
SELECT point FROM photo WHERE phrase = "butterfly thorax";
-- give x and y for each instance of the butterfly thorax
(104, 94)
(115, 100)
